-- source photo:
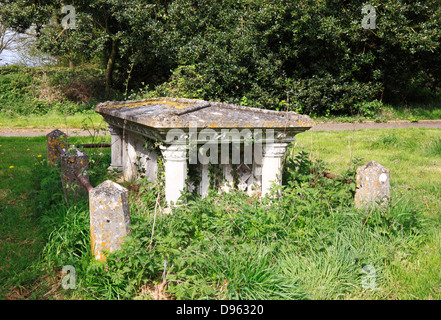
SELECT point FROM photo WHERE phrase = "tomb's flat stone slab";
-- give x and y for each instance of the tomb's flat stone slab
(190, 129)
(169, 113)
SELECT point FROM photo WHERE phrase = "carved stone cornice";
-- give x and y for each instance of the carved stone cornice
(113, 130)
(174, 152)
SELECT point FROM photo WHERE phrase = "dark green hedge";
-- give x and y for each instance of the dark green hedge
(311, 56)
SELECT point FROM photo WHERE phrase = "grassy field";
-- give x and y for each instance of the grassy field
(54, 120)
(22, 234)
(313, 244)
(411, 112)
(414, 158)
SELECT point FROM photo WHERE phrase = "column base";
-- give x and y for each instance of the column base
(115, 168)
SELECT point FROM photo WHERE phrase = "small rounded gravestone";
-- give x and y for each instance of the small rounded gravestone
(373, 185)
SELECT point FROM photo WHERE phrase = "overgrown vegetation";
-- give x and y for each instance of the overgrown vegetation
(231, 246)
(309, 243)
(37, 91)
(51, 97)
(58, 97)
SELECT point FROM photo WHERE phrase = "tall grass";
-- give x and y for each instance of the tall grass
(311, 243)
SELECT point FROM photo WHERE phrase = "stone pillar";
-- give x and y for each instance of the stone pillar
(272, 165)
(228, 182)
(175, 163)
(147, 159)
(205, 180)
(373, 185)
(109, 218)
(53, 139)
(205, 170)
(116, 146)
(129, 156)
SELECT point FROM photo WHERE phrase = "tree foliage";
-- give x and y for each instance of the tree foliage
(311, 56)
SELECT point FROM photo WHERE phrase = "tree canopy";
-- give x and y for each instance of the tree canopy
(310, 56)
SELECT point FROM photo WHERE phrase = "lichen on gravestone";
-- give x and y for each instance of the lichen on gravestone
(373, 185)
(109, 217)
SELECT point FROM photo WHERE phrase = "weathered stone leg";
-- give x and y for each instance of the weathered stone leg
(205, 172)
(205, 180)
(272, 165)
(129, 156)
(109, 218)
(117, 147)
(175, 158)
(228, 178)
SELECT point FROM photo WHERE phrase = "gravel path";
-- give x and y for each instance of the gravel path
(21, 132)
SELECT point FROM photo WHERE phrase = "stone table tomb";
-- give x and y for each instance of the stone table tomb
(199, 144)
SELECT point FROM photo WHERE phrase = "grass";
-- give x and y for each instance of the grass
(52, 120)
(412, 154)
(415, 111)
(414, 158)
(22, 233)
(311, 244)
(20, 240)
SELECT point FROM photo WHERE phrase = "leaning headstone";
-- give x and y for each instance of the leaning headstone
(53, 139)
(73, 162)
(109, 218)
(373, 185)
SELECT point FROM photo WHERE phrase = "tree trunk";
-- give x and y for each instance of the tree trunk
(111, 64)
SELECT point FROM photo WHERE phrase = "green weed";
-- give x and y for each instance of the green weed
(310, 243)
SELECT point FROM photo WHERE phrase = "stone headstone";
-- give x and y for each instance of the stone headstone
(109, 218)
(73, 162)
(55, 138)
(373, 185)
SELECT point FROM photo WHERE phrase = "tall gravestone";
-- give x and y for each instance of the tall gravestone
(109, 218)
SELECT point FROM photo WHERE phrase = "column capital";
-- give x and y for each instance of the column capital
(275, 149)
(174, 152)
